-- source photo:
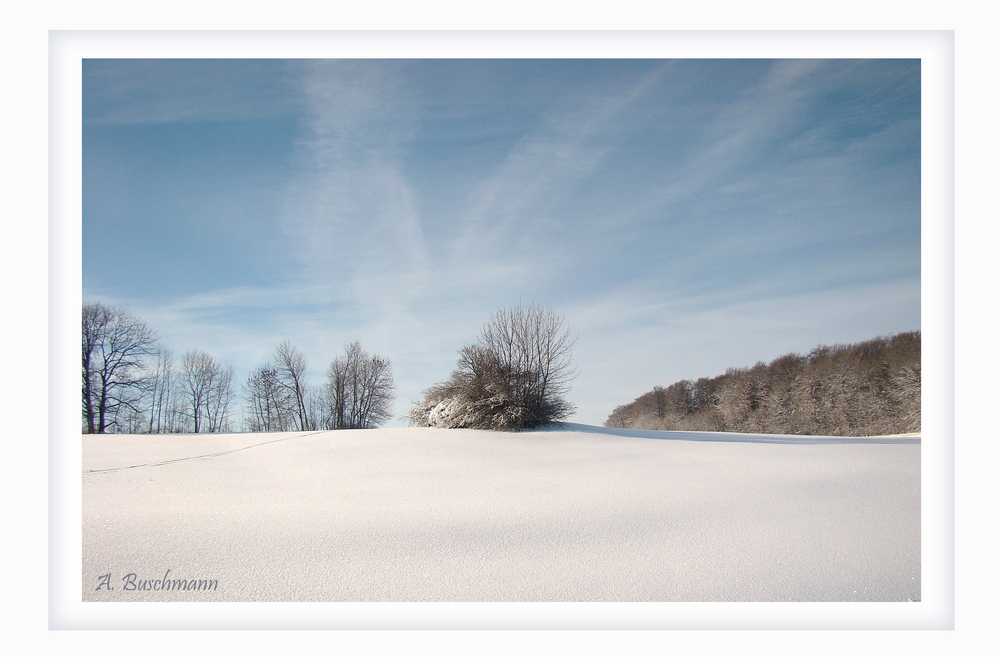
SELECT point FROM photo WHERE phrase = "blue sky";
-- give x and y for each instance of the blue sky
(684, 216)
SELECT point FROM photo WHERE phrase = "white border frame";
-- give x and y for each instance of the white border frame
(936, 51)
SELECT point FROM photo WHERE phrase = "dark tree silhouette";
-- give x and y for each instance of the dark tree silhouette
(116, 345)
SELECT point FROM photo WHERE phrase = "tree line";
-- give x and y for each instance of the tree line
(868, 388)
(132, 384)
(516, 376)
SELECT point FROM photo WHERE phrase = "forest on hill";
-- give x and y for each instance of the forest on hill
(864, 389)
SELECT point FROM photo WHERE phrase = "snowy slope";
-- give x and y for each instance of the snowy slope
(565, 514)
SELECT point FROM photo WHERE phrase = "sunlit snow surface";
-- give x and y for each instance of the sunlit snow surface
(563, 514)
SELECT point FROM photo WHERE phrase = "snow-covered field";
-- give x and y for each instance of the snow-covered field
(565, 514)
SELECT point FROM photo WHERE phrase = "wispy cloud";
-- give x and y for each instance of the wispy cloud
(627, 345)
(516, 208)
(351, 213)
(730, 143)
(159, 91)
(680, 230)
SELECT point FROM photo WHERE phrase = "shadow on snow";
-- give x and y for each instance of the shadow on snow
(720, 437)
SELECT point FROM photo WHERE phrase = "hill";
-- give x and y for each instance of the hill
(572, 513)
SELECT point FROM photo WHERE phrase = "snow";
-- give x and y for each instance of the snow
(569, 513)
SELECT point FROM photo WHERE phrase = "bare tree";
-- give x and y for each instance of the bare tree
(269, 404)
(319, 406)
(515, 377)
(162, 382)
(220, 399)
(207, 386)
(290, 366)
(621, 417)
(116, 345)
(360, 390)
(196, 378)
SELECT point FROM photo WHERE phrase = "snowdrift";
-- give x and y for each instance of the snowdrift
(570, 513)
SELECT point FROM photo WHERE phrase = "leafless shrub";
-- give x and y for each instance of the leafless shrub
(515, 377)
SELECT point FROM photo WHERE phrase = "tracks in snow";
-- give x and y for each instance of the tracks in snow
(201, 456)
